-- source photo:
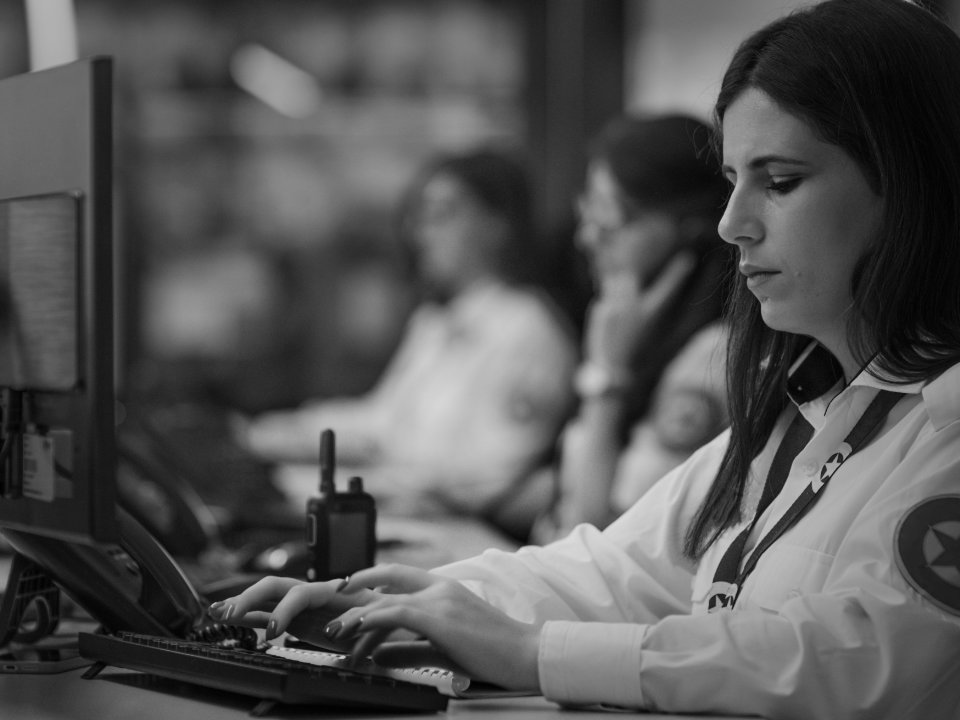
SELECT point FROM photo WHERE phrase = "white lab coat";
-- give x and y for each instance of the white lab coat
(827, 625)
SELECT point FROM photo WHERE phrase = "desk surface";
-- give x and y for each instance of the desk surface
(120, 695)
(422, 540)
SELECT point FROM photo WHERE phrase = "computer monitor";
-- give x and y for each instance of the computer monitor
(58, 474)
(56, 303)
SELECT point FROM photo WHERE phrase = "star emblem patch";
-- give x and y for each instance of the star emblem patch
(830, 466)
(928, 550)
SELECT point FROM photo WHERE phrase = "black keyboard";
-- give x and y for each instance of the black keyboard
(252, 672)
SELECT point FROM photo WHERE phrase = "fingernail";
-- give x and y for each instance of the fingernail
(228, 613)
(343, 583)
(332, 628)
(215, 607)
(271, 632)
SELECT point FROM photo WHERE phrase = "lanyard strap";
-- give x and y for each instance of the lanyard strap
(728, 578)
(795, 439)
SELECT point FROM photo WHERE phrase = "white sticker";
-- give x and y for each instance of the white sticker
(38, 467)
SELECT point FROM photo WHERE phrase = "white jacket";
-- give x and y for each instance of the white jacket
(832, 623)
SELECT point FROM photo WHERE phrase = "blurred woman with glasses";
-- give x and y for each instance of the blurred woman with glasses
(650, 383)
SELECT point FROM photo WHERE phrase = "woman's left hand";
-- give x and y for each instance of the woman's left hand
(464, 631)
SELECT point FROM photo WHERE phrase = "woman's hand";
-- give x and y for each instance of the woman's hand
(623, 315)
(456, 628)
(283, 604)
(462, 630)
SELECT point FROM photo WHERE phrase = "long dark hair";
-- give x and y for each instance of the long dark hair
(881, 80)
(663, 162)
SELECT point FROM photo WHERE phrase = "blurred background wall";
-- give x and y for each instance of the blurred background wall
(262, 146)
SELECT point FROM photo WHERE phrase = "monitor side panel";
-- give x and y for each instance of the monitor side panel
(55, 191)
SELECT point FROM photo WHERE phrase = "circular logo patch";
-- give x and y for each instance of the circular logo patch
(928, 550)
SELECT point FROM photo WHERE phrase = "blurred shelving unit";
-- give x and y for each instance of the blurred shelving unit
(264, 148)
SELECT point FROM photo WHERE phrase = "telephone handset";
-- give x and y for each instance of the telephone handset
(152, 490)
(132, 585)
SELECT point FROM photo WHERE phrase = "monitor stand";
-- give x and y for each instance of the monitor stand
(29, 617)
(133, 585)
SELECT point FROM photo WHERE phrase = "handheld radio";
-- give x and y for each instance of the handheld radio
(341, 527)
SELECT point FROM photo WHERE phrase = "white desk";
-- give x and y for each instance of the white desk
(409, 535)
(122, 695)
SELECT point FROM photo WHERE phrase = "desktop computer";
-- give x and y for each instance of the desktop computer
(60, 509)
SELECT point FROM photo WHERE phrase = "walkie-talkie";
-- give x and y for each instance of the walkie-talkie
(341, 527)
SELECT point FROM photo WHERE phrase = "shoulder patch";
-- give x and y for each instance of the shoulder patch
(928, 550)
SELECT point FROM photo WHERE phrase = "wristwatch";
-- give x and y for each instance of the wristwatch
(595, 380)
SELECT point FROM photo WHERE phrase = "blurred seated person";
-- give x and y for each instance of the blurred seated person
(481, 383)
(650, 383)
(600, 477)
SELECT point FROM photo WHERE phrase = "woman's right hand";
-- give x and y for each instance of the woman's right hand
(623, 315)
(309, 605)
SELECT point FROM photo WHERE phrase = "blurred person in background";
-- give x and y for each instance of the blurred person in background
(481, 383)
(650, 383)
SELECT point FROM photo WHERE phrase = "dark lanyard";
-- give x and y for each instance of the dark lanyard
(729, 577)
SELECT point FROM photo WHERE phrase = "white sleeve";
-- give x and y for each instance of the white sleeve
(363, 423)
(632, 572)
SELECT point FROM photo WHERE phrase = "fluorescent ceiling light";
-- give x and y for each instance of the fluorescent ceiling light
(51, 32)
(275, 81)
